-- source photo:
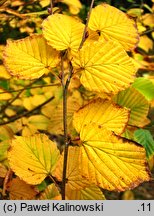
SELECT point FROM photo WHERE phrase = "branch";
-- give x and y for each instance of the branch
(11, 101)
(66, 140)
(39, 86)
(147, 31)
(86, 26)
(50, 10)
(14, 118)
(6, 180)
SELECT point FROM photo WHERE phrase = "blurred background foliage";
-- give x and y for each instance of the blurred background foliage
(22, 102)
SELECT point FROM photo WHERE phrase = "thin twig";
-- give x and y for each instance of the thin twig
(147, 31)
(65, 92)
(50, 176)
(50, 10)
(18, 116)
(51, 6)
(86, 26)
(22, 89)
(12, 100)
(6, 180)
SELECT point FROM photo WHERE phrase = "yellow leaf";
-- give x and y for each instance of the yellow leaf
(63, 32)
(128, 195)
(148, 20)
(137, 104)
(33, 158)
(6, 132)
(73, 175)
(75, 83)
(17, 102)
(129, 132)
(39, 121)
(31, 102)
(111, 23)
(3, 73)
(145, 43)
(108, 70)
(20, 190)
(4, 95)
(27, 103)
(50, 193)
(89, 193)
(151, 162)
(56, 114)
(140, 27)
(30, 58)
(44, 3)
(104, 113)
(3, 149)
(29, 130)
(3, 171)
(74, 5)
(10, 112)
(111, 162)
(135, 12)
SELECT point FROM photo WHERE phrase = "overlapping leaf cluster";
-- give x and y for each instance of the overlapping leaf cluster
(104, 109)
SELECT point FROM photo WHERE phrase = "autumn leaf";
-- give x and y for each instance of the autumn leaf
(129, 132)
(111, 162)
(111, 23)
(4, 95)
(50, 193)
(128, 195)
(89, 193)
(54, 111)
(3, 171)
(104, 113)
(6, 132)
(74, 6)
(63, 32)
(136, 102)
(3, 73)
(39, 121)
(33, 158)
(148, 19)
(108, 70)
(20, 190)
(3, 149)
(73, 175)
(30, 58)
(145, 43)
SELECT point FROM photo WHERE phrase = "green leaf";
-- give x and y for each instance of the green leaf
(136, 102)
(42, 186)
(3, 149)
(145, 87)
(145, 138)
